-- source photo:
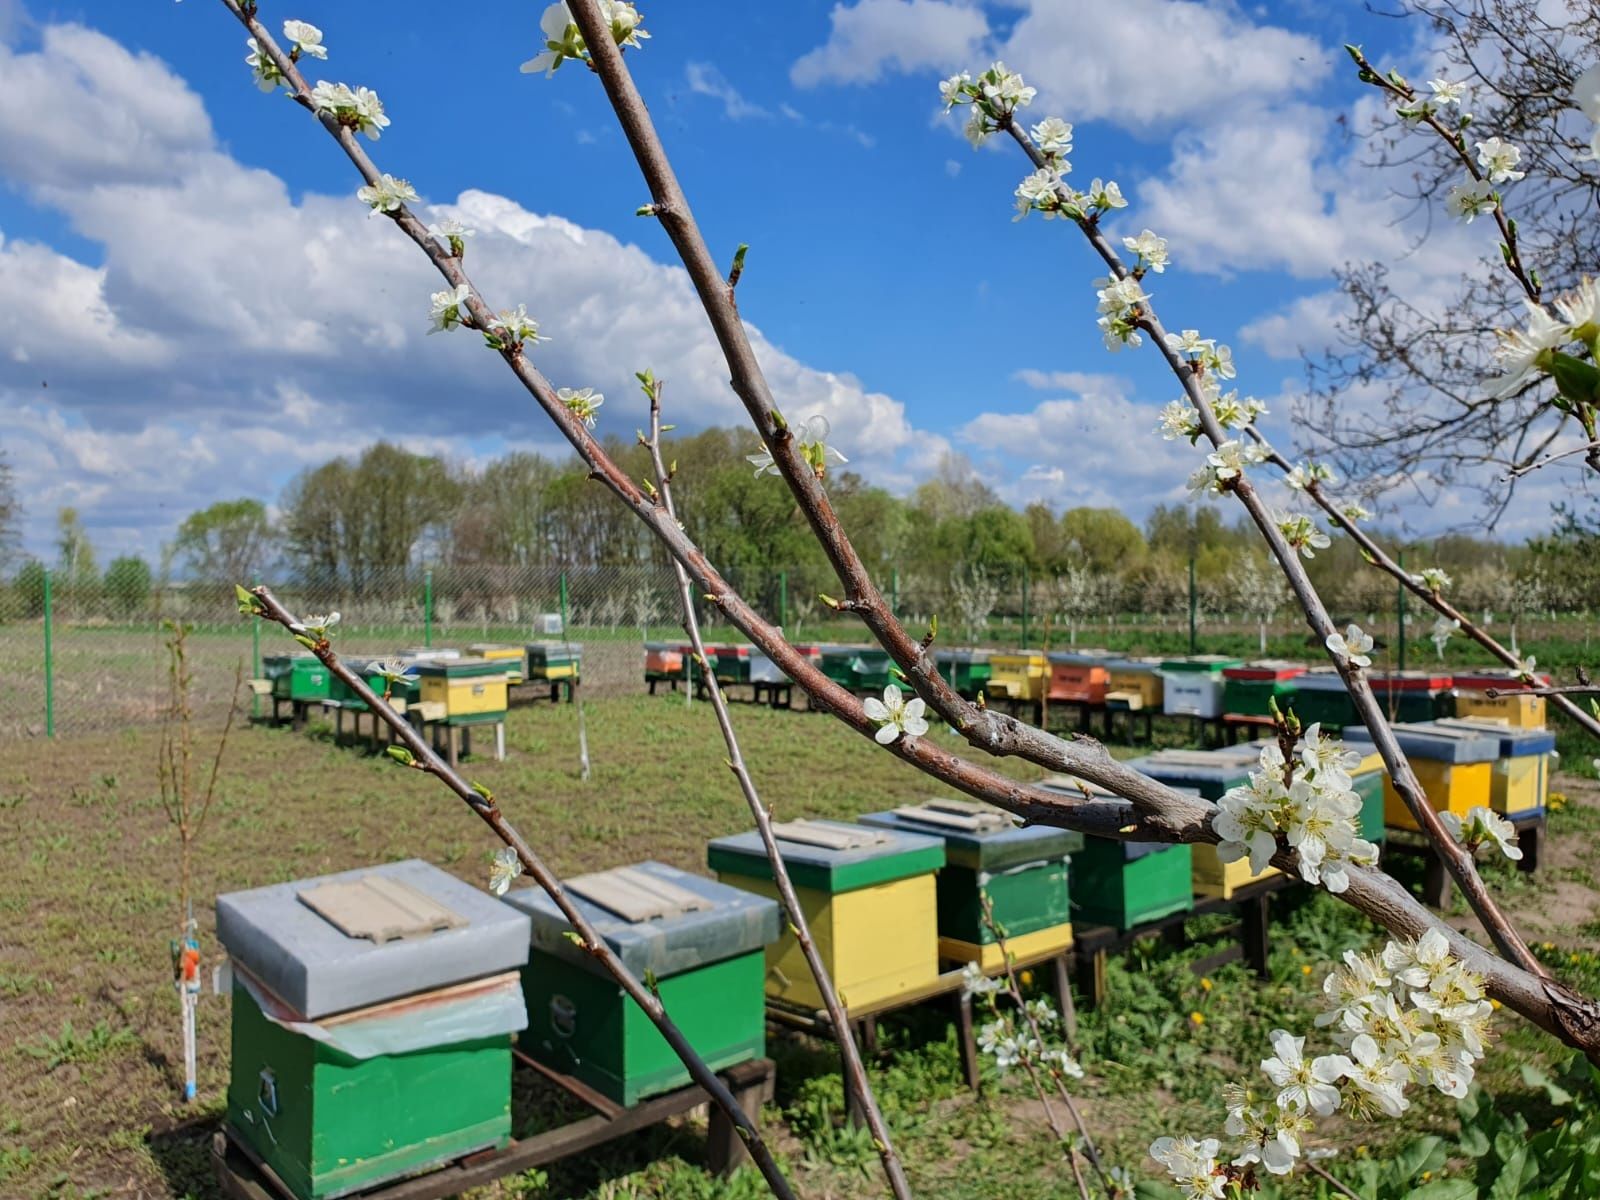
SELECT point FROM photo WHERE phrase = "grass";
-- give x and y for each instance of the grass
(89, 1083)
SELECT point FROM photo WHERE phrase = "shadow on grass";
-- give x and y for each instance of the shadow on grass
(183, 1153)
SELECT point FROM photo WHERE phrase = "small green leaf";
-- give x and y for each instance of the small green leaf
(572, 936)
(401, 755)
(308, 643)
(481, 790)
(249, 603)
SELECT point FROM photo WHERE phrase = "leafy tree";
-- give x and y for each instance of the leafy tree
(231, 541)
(77, 571)
(29, 588)
(127, 585)
(1103, 538)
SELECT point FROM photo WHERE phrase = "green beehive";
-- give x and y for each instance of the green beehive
(1251, 689)
(966, 670)
(555, 660)
(847, 665)
(730, 662)
(404, 690)
(372, 1014)
(1409, 695)
(1124, 884)
(1320, 695)
(704, 943)
(297, 677)
(1022, 872)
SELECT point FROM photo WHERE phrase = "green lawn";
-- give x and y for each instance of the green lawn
(90, 1052)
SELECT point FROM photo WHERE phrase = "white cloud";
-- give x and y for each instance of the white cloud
(233, 334)
(1093, 445)
(1089, 60)
(905, 35)
(704, 79)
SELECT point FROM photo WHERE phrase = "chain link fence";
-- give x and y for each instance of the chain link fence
(91, 659)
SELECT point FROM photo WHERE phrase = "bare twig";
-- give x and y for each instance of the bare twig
(854, 1071)
(482, 802)
(1529, 468)
(1319, 1171)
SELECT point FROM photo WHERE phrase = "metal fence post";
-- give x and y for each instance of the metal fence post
(1193, 608)
(255, 657)
(894, 590)
(564, 604)
(427, 609)
(783, 599)
(49, 662)
(1026, 588)
(1400, 595)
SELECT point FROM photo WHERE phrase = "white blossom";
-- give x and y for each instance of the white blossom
(954, 91)
(513, 327)
(1302, 534)
(305, 39)
(1381, 1078)
(1435, 579)
(1038, 191)
(1441, 633)
(1523, 353)
(267, 75)
(1355, 512)
(1119, 297)
(1053, 137)
(562, 40)
(1352, 645)
(896, 715)
(1586, 93)
(1192, 1165)
(1581, 310)
(975, 983)
(1469, 200)
(1483, 825)
(1525, 668)
(812, 438)
(1499, 159)
(358, 108)
(1415, 963)
(583, 402)
(1152, 250)
(1189, 343)
(448, 308)
(1219, 360)
(1004, 89)
(1179, 419)
(1445, 92)
(505, 867)
(453, 234)
(318, 623)
(1106, 196)
(1302, 1084)
(1059, 1058)
(1117, 332)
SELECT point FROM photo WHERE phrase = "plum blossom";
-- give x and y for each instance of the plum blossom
(584, 403)
(512, 327)
(1581, 310)
(1039, 191)
(896, 715)
(448, 309)
(1352, 645)
(1435, 579)
(1445, 92)
(267, 76)
(1179, 419)
(453, 234)
(1440, 633)
(563, 41)
(354, 108)
(1469, 200)
(1053, 136)
(1301, 1083)
(1483, 825)
(1356, 513)
(1106, 196)
(305, 40)
(1302, 534)
(1192, 1165)
(503, 868)
(1152, 250)
(1189, 343)
(1499, 159)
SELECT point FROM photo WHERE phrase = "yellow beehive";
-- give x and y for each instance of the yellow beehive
(513, 656)
(472, 690)
(1028, 946)
(1019, 675)
(1141, 676)
(1213, 877)
(1514, 708)
(868, 897)
(1454, 767)
(1521, 781)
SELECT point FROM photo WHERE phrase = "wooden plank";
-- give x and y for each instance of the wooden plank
(941, 814)
(571, 1084)
(378, 909)
(637, 895)
(830, 837)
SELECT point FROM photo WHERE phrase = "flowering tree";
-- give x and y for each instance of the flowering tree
(1416, 1015)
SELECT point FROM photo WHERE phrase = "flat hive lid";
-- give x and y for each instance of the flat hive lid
(672, 647)
(1071, 785)
(480, 648)
(1266, 668)
(655, 917)
(1199, 663)
(978, 836)
(1408, 681)
(1196, 768)
(830, 856)
(730, 649)
(1097, 657)
(361, 937)
(961, 656)
(1515, 742)
(1426, 741)
(1019, 656)
(461, 668)
(1134, 666)
(424, 653)
(557, 649)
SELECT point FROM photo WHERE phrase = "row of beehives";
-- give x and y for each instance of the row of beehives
(356, 992)
(467, 689)
(1196, 685)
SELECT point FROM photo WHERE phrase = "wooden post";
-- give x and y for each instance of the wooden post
(1069, 1013)
(749, 1082)
(967, 1039)
(1255, 925)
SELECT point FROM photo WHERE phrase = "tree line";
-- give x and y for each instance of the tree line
(354, 525)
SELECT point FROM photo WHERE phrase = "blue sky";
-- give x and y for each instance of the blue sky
(187, 270)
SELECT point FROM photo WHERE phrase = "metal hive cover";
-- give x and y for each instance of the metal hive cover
(317, 969)
(696, 920)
